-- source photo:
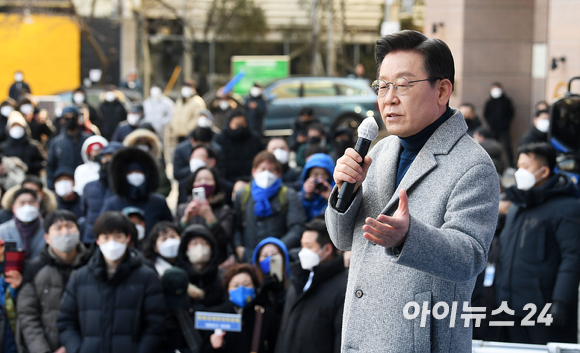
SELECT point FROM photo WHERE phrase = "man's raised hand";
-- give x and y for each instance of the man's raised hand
(389, 231)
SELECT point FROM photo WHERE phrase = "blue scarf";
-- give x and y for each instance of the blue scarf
(261, 198)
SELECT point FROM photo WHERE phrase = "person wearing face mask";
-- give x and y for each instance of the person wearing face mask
(187, 110)
(342, 140)
(538, 132)
(45, 278)
(266, 208)
(134, 177)
(19, 144)
(6, 108)
(97, 191)
(137, 217)
(222, 105)
(239, 146)
(162, 245)
(65, 150)
(25, 227)
(256, 108)
(471, 119)
(198, 256)
(113, 111)
(134, 118)
(89, 170)
(12, 171)
(539, 262)
(272, 288)
(149, 142)
(212, 212)
(66, 196)
(317, 184)
(41, 128)
(19, 87)
(80, 102)
(499, 113)
(316, 136)
(158, 109)
(241, 283)
(290, 176)
(317, 288)
(103, 296)
(46, 198)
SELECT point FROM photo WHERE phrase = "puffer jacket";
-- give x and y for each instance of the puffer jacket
(237, 153)
(64, 151)
(124, 314)
(210, 279)
(113, 113)
(28, 150)
(153, 204)
(38, 305)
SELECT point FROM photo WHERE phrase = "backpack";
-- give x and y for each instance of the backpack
(245, 197)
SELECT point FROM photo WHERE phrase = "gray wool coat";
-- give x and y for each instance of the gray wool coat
(453, 192)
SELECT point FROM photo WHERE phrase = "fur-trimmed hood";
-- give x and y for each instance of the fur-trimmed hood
(152, 140)
(48, 204)
(118, 170)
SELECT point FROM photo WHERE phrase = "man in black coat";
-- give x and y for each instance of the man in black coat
(239, 146)
(115, 304)
(200, 136)
(538, 132)
(113, 113)
(312, 318)
(256, 108)
(540, 250)
(65, 149)
(499, 113)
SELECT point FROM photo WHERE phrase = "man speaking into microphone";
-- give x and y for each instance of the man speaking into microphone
(423, 211)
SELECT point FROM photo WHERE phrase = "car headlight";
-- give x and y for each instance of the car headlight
(370, 113)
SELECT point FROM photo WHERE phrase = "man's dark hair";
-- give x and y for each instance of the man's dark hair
(210, 151)
(201, 134)
(236, 270)
(497, 84)
(191, 180)
(318, 127)
(319, 226)
(57, 216)
(314, 149)
(306, 111)
(33, 179)
(438, 60)
(266, 156)
(235, 113)
(543, 153)
(486, 133)
(470, 105)
(23, 191)
(151, 240)
(111, 222)
(540, 112)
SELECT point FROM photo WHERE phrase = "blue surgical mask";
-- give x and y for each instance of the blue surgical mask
(265, 265)
(242, 296)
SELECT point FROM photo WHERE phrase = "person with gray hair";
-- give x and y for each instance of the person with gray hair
(423, 212)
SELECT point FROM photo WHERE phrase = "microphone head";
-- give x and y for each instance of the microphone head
(368, 129)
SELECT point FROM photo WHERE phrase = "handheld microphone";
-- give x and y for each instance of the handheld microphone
(368, 131)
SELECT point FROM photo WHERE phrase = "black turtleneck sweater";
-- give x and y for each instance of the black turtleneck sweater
(413, 144)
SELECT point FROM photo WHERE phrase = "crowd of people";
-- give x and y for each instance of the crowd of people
(110, 267)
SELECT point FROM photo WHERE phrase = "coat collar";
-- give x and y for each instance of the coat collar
(441, 142)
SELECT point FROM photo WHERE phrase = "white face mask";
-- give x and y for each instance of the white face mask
(6, 110)
(155, 92)
(78, 98)
(140, 232)
(26, 213)
(113, 250)
(195, 164)
(199, 254)
(224, 105)
(281, 155)
(186, 91)
(131, 84)
(255, 92)
(136, 179)
(18, 77)
(16, 132)
(169, 248)
(133, 119)
(265, 179)
(203, 121)
(525, 180)
(66, 242)
(63, 187)
(543, 125)
(308, 259)
(26, 109)
(143, 148)
(496, 92)
(110, 96)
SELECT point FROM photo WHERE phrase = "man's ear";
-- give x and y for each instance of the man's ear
(211, 162)
(545, 173)
(445, 90)
(46, 239)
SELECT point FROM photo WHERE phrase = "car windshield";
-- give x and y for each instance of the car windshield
(287, 90)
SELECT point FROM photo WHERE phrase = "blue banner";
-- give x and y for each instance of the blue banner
(212, 321)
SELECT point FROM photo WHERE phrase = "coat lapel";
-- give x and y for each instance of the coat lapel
(441, 142)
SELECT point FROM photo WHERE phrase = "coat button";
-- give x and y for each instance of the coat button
(358, 293)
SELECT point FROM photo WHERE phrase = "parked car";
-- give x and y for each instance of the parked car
(337, 102)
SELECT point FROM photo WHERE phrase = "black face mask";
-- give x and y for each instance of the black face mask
(240, 133)
(341, 146)
(71, 124)
(314, 140)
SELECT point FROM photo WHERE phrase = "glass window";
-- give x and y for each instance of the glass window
(289, 90)
(345, 90)
(320, 89)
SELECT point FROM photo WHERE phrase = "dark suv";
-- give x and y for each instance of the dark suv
(337, 102)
